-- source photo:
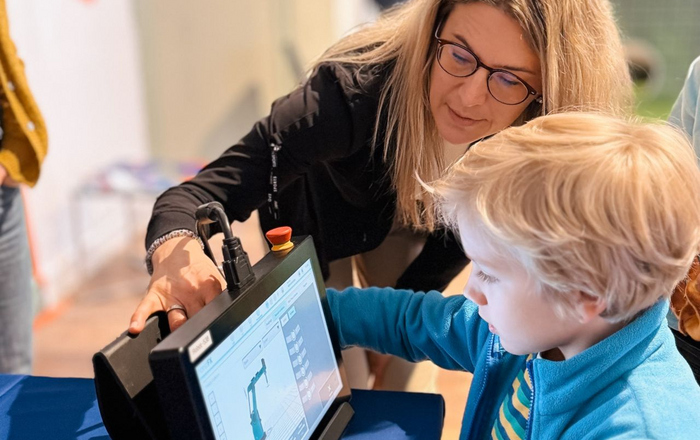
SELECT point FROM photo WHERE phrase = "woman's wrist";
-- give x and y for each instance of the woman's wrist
(178, 233)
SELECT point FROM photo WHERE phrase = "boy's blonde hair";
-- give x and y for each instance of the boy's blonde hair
(586, 202)
(582, 62)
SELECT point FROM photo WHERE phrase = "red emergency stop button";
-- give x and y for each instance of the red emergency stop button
(280, 238)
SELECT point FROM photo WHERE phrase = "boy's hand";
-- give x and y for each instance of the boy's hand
(183, 276)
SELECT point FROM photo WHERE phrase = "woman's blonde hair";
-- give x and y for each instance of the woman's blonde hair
(582, 63)
(586, 203)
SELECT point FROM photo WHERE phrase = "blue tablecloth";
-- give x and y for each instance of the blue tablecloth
(66, 409)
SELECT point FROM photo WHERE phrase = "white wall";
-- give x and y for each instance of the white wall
(351, 13)
(213, 68)
(83, 67)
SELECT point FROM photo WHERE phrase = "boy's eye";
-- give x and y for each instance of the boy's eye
(486, 278)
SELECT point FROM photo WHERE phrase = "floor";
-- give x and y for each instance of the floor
(97, 311)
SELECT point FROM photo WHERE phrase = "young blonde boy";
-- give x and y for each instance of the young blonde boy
(578, 227)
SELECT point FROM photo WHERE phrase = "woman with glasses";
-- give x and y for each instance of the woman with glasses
(342, 157)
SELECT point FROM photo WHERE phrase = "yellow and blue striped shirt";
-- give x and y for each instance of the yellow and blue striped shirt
(514, 412)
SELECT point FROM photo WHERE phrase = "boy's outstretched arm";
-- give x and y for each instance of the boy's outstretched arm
(411, 325)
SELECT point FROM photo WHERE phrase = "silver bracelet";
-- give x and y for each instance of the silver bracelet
(162, 239)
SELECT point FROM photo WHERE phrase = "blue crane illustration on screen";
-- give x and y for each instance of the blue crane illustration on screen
(255, 420)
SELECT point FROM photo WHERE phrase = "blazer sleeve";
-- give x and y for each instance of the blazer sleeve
(413, 325)
(318, 121)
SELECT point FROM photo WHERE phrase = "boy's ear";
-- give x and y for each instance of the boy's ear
(589, 307)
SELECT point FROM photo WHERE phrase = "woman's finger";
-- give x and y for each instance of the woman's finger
(149, 305)
(177, 315)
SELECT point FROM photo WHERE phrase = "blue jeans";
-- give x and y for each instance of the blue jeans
(15, 286)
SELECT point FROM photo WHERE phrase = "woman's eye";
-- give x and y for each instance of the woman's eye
(461, 57)
(458, 58)
(507, 81)
(486, 278)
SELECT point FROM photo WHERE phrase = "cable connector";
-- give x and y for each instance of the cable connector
(237, 269)
(236, 266)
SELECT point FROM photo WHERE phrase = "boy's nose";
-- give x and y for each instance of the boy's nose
(476, 296)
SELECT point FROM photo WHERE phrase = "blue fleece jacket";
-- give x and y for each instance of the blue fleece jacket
(632, 385)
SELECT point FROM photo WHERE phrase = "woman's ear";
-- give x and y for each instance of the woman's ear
(589, 307)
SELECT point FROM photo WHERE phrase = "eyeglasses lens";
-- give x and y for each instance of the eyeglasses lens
(503, 86)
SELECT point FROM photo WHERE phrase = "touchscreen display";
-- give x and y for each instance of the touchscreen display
(276, 375)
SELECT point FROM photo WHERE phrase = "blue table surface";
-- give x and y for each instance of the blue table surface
(66, 409)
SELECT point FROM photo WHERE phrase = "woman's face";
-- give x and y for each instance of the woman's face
(463, 109)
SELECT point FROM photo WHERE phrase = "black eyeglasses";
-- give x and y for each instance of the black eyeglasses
(504, 86)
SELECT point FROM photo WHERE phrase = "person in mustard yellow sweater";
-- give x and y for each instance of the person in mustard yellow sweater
(23, 146)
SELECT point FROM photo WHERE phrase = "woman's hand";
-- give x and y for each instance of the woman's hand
(182, 276)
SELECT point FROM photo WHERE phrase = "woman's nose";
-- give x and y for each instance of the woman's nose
(474, 89)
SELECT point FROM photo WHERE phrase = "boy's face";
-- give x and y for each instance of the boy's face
(508, 301)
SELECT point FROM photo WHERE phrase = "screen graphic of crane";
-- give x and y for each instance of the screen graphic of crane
(255, 421)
